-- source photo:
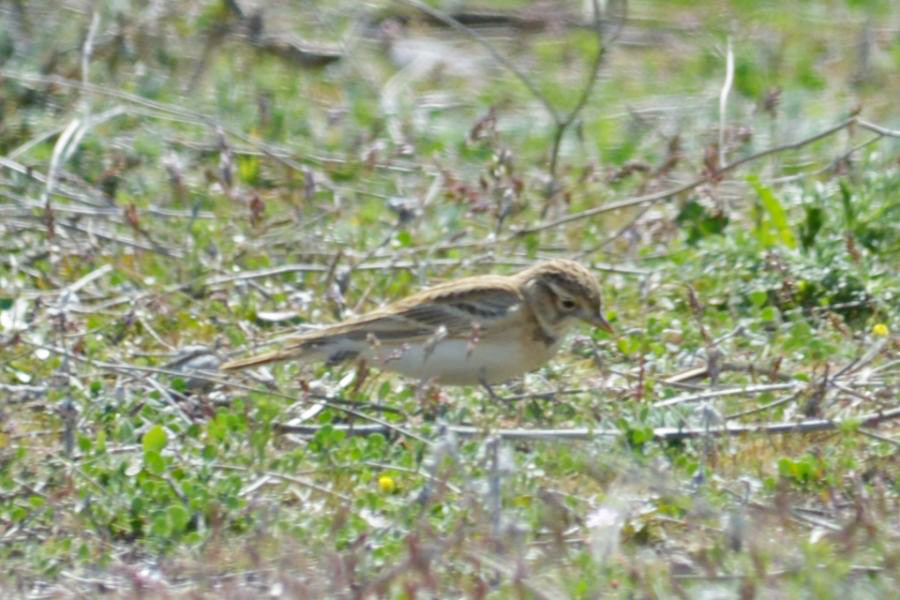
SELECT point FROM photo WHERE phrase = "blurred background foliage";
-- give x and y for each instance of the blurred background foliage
(180, 181)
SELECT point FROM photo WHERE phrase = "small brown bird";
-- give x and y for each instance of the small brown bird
(484, 329)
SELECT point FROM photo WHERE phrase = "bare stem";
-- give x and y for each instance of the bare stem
(661, 434)
(666, 194)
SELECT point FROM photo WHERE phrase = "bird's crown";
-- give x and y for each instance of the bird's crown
(567, 276)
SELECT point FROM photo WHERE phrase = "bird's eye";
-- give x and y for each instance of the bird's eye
(568, 304)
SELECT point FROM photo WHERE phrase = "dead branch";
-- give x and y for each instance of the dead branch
(660, 434)
(666, 194)
(212, 377)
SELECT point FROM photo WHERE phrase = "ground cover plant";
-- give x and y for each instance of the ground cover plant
(183, 182)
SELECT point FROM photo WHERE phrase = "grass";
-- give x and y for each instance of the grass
(199, 190)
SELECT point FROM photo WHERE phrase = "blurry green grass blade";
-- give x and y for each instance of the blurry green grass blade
(775, 210)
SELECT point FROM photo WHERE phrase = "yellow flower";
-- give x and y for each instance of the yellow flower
(880, 330)
(387, 484)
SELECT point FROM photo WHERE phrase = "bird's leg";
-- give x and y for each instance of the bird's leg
(492, 394)
(488, 389)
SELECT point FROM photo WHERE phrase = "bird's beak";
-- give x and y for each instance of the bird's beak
(598, 321)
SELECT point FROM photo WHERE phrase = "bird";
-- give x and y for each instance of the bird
(483, 329)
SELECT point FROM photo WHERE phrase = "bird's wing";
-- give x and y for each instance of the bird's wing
(457, 307)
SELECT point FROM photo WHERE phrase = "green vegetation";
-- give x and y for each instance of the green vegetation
(184, 181)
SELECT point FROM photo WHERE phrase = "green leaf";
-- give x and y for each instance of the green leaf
(638, 436)
(248, 169)
(758, 297)
(815, 218)
(404, 238)
(209, 452)
(160, 525)
(532, 243)
(154, 462)
(178, 517)
(847, 204)
(699, 223)
(155, 439)
(775, 211)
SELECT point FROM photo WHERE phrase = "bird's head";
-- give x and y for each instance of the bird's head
(561, 292)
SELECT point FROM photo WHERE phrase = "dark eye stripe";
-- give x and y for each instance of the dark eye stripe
(566, 284)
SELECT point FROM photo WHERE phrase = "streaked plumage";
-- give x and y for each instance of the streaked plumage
(482, 329)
